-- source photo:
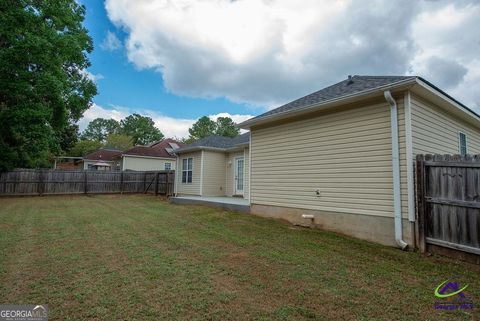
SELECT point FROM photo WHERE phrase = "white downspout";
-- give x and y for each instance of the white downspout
(397, 205)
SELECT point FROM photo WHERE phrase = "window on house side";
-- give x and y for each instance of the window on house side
(168, 166)
(187, 170)
(462, 143)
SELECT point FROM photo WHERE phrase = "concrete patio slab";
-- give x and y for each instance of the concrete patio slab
(228, 203)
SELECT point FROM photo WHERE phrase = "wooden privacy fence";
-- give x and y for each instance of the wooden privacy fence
(51, 182)
(448, 202)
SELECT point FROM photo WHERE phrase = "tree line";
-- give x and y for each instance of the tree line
(140, 130)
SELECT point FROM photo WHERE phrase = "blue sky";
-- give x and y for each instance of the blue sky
(178, 60)
(126, 88)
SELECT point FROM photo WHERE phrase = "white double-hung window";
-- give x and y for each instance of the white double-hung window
(187, 170)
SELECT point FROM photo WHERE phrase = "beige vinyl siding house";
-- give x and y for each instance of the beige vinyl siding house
(145, 163)
(159, 156)
(221, 168)
(213, 182)
(194, 187)
(435, 131)
(342, 158)
(345, 155)
(329, 159)
(346, 151)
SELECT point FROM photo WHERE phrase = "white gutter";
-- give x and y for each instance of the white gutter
(397, 205)
(409, 156)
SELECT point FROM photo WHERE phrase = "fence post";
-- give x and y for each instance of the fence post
(121, 182)
(421, 202)
(4, 177)
(167, 184)
(41, 179)
(85, 182)
(156, 183)
(15, 182)
(144, 181)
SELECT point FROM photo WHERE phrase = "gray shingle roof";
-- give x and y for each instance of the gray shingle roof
(346, 87)
(218, 142)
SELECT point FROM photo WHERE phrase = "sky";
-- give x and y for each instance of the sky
(178, 60)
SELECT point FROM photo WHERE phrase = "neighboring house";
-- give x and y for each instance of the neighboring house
(157, 156)
(103, 160)
(342, 158)
(214, 166)
(66, 163)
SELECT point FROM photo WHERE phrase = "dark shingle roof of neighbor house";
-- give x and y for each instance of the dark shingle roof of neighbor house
(164, 148)
(219, 142)
(351, 85)
(103, 154)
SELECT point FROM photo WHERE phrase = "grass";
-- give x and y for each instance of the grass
(141, 258)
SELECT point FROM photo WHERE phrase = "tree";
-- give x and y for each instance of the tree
(84, 147)
(204, 127)
(119, 141)
(43, 89)
(100, 128)
(69, 137)
(141, 128)
(226, 127)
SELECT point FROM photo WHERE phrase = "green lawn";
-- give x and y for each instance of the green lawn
(141, 258)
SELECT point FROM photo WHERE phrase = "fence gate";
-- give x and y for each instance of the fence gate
(448, 202)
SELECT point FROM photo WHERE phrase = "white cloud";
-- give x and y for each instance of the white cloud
(111, 42)
(92, 77)
(237, 118)
(170, 126)
(266, 52)
(448, 41)
(97, 111)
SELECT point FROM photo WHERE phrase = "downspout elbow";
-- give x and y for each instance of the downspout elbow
(397, 207)
(401, 244)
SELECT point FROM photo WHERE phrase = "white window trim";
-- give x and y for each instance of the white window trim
(460, 142)
(186, 170)
(165, 166)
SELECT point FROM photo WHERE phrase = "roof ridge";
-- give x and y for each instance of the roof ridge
(382, 77)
